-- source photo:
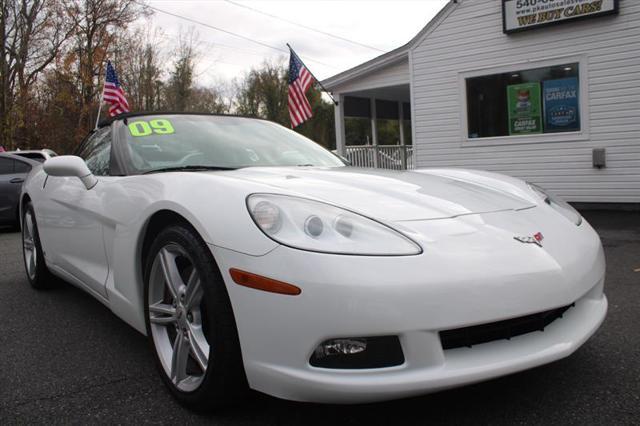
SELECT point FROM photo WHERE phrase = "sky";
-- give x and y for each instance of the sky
(380, 25)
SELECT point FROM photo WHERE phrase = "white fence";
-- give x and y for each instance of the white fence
(396, 157)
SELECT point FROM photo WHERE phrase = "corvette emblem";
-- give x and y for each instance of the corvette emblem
(535, 239)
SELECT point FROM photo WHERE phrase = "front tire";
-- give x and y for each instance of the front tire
(37, 272)
(190, 322)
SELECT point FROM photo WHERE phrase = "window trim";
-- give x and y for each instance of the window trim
(581, 135)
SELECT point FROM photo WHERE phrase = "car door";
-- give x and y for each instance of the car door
(12, 175)
(71, 217)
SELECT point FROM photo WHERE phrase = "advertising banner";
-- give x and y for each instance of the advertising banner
(525, 116)
(519, 15)
(561, 109)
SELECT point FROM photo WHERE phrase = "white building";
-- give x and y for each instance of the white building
(540, 102)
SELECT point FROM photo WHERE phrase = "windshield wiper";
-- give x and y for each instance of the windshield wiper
(188, 169)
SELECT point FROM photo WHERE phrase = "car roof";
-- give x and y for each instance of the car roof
(19, 158)
(110, 120)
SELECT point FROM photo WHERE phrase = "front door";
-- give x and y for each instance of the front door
(71, 218)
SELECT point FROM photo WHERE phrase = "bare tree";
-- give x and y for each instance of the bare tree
(139, 59)
(263, 93)
(52, 56)
(207, 99)
(96, 22)
(56, 110)
(246, 97)
(180, 85)
(7, 77)
(33, 33)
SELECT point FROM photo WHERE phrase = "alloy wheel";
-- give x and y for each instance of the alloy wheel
(29, 245)
(177, 317)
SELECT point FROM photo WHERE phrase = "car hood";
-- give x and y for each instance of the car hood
(384, 194)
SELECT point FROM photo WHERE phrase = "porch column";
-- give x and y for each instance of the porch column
(339, 123)
(401, 121)
(374, 132)
(403, 149)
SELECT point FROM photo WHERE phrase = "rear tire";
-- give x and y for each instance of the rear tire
(190, 323)
(37, 272)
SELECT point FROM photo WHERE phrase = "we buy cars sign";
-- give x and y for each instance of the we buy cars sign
(519, 15)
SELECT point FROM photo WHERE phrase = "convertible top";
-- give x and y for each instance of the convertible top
(126, 115)
(12, 156)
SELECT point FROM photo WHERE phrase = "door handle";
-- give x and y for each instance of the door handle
(16, 180)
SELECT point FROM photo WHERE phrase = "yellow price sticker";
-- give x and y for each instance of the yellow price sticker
(146, 128)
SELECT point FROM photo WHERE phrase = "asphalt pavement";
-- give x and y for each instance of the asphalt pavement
(65, 358)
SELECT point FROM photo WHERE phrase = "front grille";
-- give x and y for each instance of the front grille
(483, 333)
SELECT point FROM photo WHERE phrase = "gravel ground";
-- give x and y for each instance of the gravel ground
(65, 358)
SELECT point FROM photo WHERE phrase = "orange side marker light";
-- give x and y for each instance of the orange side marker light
(258, 282)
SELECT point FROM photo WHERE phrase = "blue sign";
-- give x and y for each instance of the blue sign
(561, 110)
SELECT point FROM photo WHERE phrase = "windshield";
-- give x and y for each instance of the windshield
(188, 141)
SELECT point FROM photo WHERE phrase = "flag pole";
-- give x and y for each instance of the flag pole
(99, 110)
(314, 77)
(100, 106)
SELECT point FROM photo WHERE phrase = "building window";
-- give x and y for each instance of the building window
(526, 102)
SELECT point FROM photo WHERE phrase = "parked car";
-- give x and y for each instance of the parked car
(40, 155)
(13, 172)
(251, 256)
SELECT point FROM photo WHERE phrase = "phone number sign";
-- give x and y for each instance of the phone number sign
(520, 15)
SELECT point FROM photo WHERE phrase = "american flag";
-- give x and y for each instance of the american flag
(113, 93)
(299, 81)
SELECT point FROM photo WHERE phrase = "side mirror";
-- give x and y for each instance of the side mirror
(70, 166)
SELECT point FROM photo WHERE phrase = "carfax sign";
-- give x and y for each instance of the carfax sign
(525, 115)
(519, 15)
(561, 111)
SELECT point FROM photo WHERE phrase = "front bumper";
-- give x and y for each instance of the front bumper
(463, 278)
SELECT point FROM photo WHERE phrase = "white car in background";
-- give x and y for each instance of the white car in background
(252, 257)
(39, 155)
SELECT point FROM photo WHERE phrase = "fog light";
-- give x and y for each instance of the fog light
(341, 347)
(358, 353)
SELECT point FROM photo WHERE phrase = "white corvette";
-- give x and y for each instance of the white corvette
(253, 258)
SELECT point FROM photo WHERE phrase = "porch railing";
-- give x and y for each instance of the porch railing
(396, 157)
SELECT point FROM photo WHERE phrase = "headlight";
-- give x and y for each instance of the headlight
(315, 226)
(558, 204)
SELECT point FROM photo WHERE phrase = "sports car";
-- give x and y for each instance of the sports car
(253, 258)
